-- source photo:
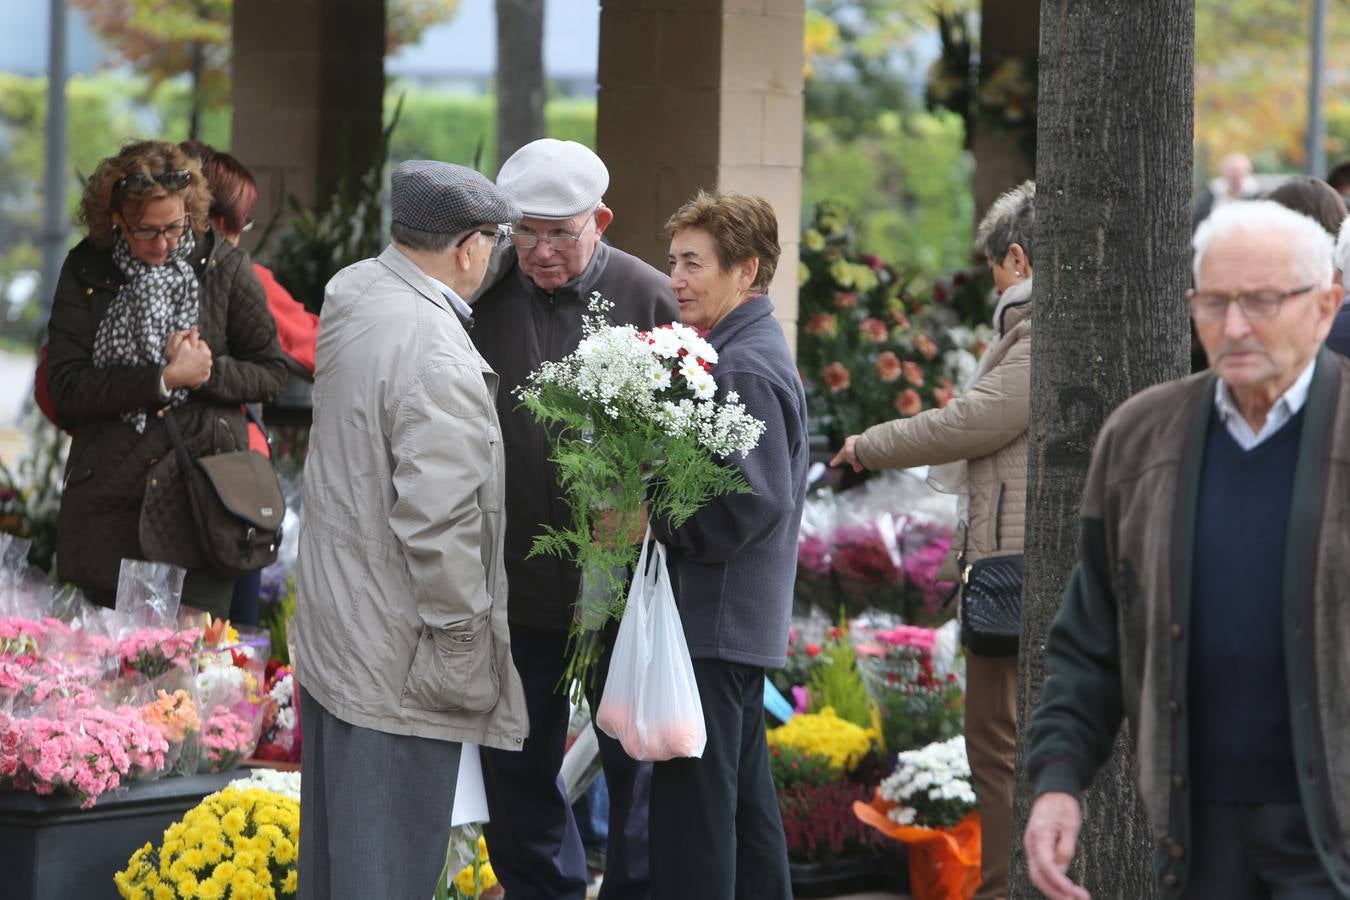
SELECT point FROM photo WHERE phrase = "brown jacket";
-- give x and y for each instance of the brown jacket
(112, 471)
(987, 426)
(1118, 648)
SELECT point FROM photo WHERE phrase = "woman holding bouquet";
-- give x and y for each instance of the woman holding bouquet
(977, 445)
(715, 827)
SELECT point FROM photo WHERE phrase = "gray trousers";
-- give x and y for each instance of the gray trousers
(374, 810)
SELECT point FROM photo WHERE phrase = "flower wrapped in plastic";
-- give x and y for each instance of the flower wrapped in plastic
(914, 675)
(632, 416)
(229, 691)
(280, 739)
(928, 804)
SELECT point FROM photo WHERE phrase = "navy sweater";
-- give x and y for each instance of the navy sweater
(1240, 740)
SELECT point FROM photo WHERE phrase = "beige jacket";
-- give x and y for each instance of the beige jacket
(987, 426)
(401, 591)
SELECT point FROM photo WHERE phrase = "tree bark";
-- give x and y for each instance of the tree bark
(520, 75)
(1112, 263)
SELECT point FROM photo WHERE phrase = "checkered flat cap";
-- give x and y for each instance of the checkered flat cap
(443, 198)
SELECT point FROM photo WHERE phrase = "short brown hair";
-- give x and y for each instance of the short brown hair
(102, 197)
(233, 188)
(743, 227)
(1314, 198)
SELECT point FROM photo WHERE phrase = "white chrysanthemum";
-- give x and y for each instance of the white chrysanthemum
(287, 784)
(659, 377)
(665, 343)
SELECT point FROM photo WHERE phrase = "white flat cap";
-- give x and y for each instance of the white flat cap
(552, 179)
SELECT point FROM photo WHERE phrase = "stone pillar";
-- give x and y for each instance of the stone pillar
(702, 94)
(1008, 28)
(308, 82)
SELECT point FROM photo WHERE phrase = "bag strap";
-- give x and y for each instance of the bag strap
(257, 420)
(962, 569)
(176, 438)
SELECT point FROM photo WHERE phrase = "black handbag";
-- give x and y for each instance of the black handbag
(236, 502)
(991, 603)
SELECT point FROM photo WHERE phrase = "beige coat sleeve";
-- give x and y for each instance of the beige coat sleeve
(991, 415)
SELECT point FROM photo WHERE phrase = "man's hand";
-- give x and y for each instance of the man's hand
(609, 530)
(189, 360)
(848, 454)
(1051, 835)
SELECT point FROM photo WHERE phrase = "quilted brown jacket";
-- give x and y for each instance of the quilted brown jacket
(112, 471)
(987, 427)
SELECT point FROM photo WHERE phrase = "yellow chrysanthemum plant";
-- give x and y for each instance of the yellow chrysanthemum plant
(237, 844)
(824, 735)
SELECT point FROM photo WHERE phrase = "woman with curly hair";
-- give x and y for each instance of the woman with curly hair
(153, 311)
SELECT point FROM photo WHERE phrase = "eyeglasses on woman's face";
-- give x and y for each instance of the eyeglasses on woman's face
(140, 182)
(171, 232)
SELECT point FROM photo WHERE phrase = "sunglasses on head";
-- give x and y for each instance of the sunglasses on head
(139, 182)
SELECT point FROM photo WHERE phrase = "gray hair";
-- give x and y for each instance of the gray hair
(1011, 220)
(417, 239)
(1342, 253)
(1312, 246)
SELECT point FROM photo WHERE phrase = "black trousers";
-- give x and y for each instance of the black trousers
(1258, 852)
(716, 832)
(536, 848)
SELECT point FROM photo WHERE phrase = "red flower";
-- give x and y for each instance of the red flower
(926, 347)
(873, 262)
(874, 330)
(812, 649)
(908, 402)
(913, 373)
(939, 293)
(888, 366)
(821, 324)
(834, 633)
(845, 299)
(836, 377)
(240, 657)
(958, 279)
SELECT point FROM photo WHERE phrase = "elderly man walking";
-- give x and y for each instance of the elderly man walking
(1209, 604)
(533, 314)
(403, 650)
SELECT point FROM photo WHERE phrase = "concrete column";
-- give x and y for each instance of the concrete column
(1008, 28)
(308, 82)
(702, 94)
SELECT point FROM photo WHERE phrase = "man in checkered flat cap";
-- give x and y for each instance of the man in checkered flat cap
(531, 314)
(403, 650)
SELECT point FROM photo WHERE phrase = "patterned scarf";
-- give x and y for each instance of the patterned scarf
(154, 302)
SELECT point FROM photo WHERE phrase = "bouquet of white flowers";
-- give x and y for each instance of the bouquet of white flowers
(930, 786)
(633, 415)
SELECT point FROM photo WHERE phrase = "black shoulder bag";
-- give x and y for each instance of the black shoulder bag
(991, 602)
(236, 502)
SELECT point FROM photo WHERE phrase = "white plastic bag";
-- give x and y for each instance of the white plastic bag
(650, 703)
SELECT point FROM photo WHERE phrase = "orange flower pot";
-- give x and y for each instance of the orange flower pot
(944, 863)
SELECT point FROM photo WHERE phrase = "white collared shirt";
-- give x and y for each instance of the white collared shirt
(1285, 408)
(456, 302)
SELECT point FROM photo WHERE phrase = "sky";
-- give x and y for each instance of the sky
(464, 47)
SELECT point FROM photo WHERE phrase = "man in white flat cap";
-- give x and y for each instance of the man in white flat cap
(403, 649)
(531, 314)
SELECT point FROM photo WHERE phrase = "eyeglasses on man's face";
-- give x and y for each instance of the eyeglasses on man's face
(495, 233)
(558, 240)
(1254, 304)
(140, 182)
(172, 232)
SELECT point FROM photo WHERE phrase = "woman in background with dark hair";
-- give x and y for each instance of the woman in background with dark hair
(1314, 198)
(233, 194)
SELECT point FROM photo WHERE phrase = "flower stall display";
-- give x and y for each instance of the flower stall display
(928, 804)
(99, 698)
(237, 843)
(874, 344)
(634, 416)
(814, 759)
(877, 546)
(280, 728)
(914, 676)
(230, 691)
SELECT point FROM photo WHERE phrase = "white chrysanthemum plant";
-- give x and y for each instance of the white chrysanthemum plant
(633, 416)
(930, 786)
(287, 784)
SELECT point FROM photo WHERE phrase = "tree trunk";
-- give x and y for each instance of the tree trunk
(1112, 263)
(520, 75)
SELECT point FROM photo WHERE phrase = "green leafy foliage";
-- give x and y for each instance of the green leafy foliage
(836, 682)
